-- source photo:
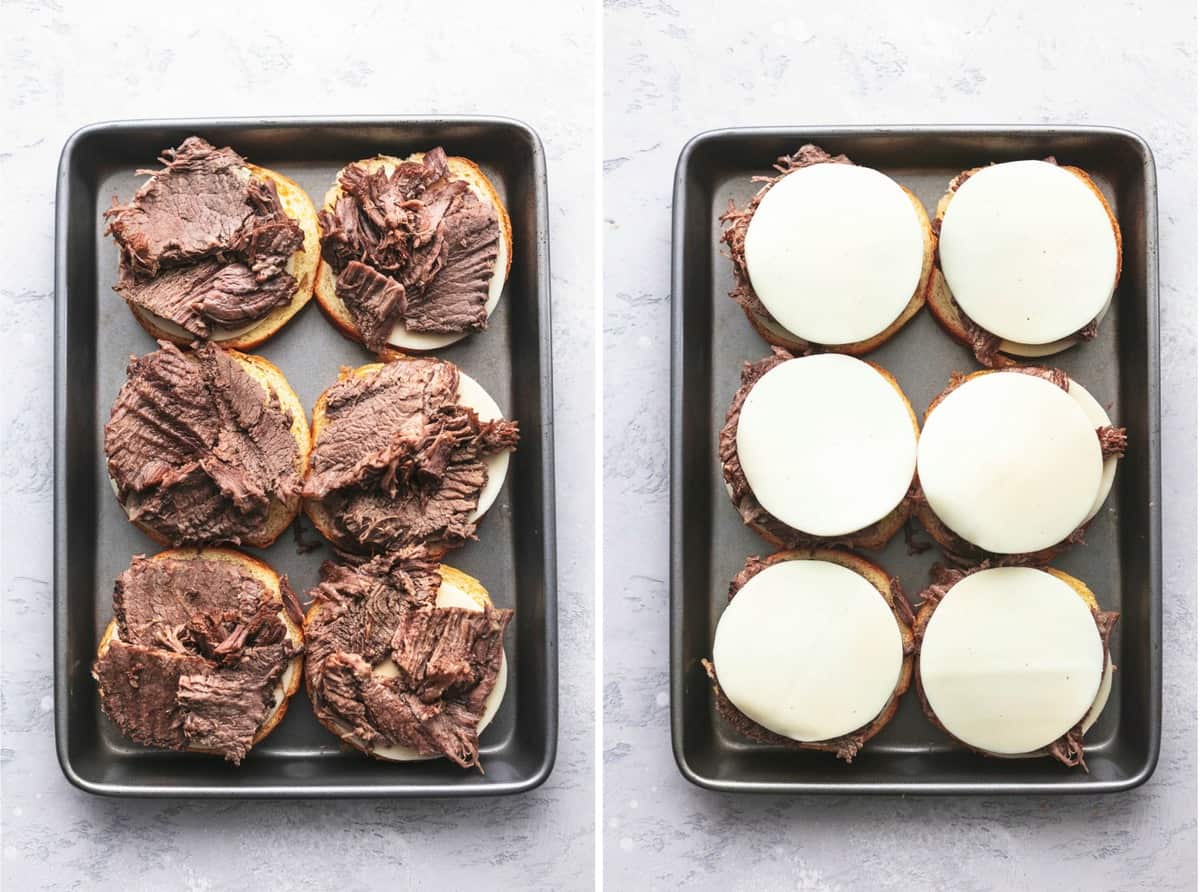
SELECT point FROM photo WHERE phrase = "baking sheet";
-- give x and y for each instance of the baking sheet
(1121, 561)
(514, 555)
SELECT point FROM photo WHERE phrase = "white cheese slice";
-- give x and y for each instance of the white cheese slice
(424, 341)
(1011, 660)
(472, 395)
(809, 650)
(1028, 251)
(1033, 351)
(1010, 462)
(834, 252)
(449, 595)
(827, 444)
(1097, 417)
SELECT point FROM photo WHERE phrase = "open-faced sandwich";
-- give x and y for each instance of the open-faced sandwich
(819, 450)
(214, 247)
(1013, 661)
(829, 254)
(206, 445)
(203, 652)
(415, 251)
(406, 657)
(1013, 464)
(813, 651)
(409, 452)
(1029, 254)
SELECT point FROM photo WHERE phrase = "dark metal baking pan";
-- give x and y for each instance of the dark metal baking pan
(514, 556)
(1121, 560)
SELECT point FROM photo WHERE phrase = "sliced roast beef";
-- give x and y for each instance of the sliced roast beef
(199, 652)
(398, 461)
(198, 449)
(430, 240)
(203, 243)
(388, 668)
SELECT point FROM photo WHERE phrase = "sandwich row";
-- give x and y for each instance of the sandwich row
(1021, 259)
(406, 254)
(825, 450)
(816, 648)
(402, 658)
(207, 446)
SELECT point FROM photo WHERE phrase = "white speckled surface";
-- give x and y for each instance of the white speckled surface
(675, 69)
(70, 63)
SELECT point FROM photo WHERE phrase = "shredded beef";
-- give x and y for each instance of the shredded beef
(198, 449)
(847, 746)
(751, 510)
(1113, 441)
(200, 649)
(415, 246)
(398, 461)
(447, 659)
(203, 243)
(1067, 749)
(736, 222)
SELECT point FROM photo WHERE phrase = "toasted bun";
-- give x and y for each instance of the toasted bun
(925, 613)
(880, 580)
(497, 464)
(302, 266)
(457, 590)
(289, 682)
(281, 514)
(774, 333)
(415, 342)
(951, 318)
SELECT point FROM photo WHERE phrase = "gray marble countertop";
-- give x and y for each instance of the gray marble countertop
(66, 64)
(675, 69)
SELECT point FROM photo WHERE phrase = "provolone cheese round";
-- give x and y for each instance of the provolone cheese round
(827, 444)
(1010, 463)
(809, 650)
(1011, 660)
(1028, 251)
(472, 395)
(422, 340)
(449, 595)
(835, 252)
